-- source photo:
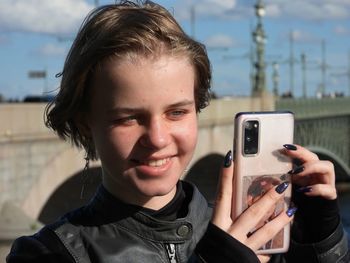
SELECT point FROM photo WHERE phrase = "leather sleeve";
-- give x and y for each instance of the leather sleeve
(43, 247)
(317, 232)
(316, 218)
(218, 246)
(333, 249)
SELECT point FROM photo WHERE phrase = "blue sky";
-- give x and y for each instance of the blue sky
(37, 34)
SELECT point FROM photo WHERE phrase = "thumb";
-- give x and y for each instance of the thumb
(264, 258)
(222, 210)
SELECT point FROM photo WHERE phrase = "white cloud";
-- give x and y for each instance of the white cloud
(273, 10)
(42, 16)
(341, 30)
(52, 50)
(204, 8)
(309, 9)
(227, 4)
(297, 9)
(302, 36)
(220, 41)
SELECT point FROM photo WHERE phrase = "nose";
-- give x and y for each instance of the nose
(156, 134)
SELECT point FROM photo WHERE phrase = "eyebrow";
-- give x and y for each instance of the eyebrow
(182, 103)
(127, 110)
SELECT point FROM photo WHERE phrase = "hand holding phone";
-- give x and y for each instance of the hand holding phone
(239, 227)
(260, 166)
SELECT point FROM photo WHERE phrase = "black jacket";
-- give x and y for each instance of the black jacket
(107, 230)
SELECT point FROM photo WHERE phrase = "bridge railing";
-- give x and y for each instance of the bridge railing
(222, 111)
(323, 125)
(23, 122)
(315, 108)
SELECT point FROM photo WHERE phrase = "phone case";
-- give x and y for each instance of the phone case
(256, 173)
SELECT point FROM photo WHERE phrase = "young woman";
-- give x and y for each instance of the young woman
(132, 86)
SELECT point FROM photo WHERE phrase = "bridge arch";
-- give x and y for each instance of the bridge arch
(342, 171)
(64, 171)
(67, 196)
(57, 170)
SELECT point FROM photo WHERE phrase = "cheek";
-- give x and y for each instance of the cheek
(113, 145)
(187, 135)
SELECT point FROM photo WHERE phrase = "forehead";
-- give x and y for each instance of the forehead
(133, 78)
(141, 64)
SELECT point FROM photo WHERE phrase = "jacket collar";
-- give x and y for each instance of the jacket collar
(105, 209)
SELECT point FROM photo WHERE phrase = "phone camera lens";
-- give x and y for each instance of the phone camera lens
(251, 137)
(248, 125)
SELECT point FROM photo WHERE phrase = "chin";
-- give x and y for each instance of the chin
(153, 189)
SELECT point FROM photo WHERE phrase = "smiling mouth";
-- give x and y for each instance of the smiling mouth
(153, 163)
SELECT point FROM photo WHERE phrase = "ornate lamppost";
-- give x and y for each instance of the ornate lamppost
(259, 37)
(275, 78)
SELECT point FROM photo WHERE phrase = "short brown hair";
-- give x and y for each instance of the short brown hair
(120, 30)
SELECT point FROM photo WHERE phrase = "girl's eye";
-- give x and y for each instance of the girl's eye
(129, 120)
(176, 114)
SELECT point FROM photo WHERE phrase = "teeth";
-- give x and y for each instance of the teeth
(157, 163)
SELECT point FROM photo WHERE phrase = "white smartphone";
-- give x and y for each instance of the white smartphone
(259, 165)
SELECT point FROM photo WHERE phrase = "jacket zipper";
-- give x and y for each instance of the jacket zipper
(170, 248)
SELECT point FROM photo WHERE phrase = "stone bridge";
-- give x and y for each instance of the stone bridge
(323, 126)
(40, 175)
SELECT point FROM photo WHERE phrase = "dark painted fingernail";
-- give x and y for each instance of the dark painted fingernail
(228, 159)
(290, 147)
(285, 177)
(282, 187)
(297, 162)
(305, 189)
(297, 170)
(291, 211)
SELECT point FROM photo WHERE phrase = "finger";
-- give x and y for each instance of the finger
(301, 181)
(264, 258)
(324, 190)
(269, 230)
(223, 201)
(313, 167)
(321, 172)
(255, 213)
(301, 153)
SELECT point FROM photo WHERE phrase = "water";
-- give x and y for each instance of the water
(344, 202)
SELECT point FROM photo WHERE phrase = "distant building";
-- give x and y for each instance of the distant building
(38, 98)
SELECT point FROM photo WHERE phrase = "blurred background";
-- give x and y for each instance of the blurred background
(266, 55)
(306, 43)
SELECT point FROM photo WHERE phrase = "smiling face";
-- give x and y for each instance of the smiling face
(144, 125)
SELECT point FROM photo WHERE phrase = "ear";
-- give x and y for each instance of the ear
(82, 123)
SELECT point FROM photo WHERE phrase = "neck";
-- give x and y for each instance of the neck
(129, 196)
